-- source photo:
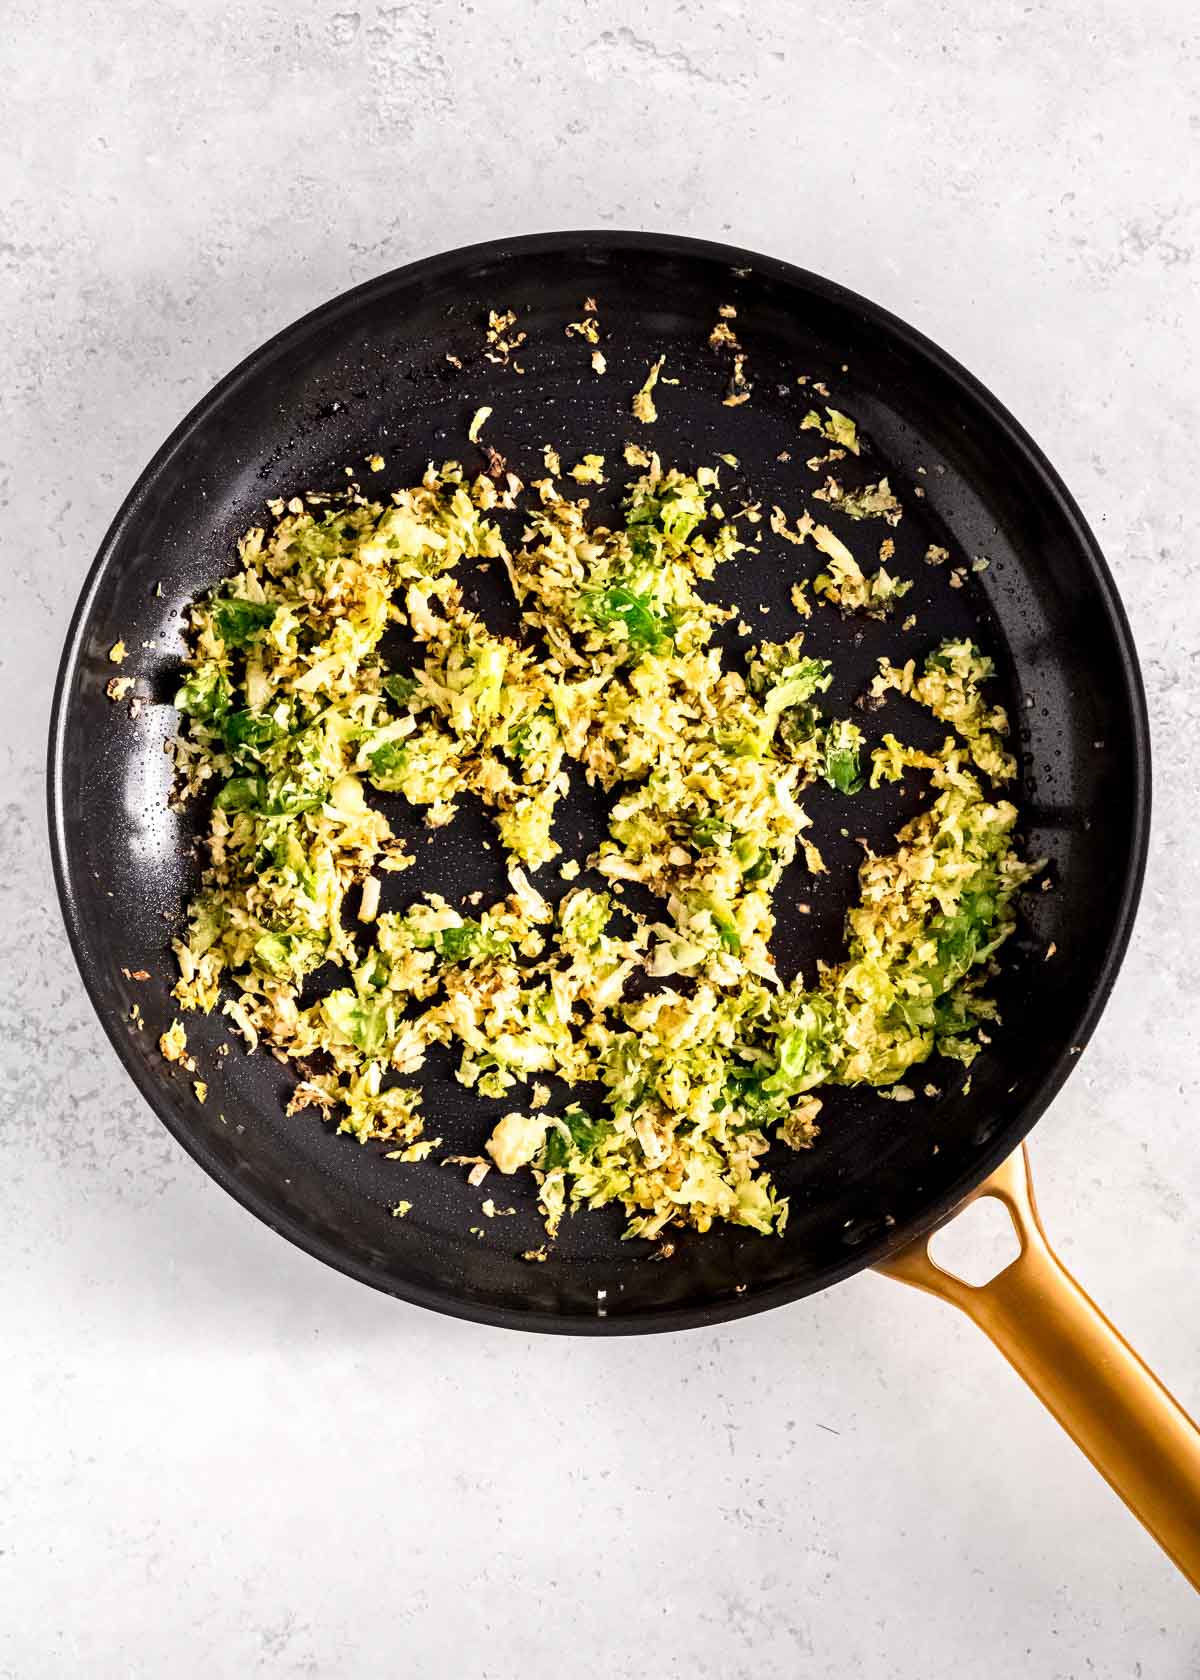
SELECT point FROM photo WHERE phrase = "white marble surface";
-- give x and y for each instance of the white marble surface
(220, 1459)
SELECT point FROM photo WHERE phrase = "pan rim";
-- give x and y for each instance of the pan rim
(1128, 673)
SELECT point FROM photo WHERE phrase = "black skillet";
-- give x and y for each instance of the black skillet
(378, 369)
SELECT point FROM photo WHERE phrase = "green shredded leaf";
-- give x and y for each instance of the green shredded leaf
(238, 621)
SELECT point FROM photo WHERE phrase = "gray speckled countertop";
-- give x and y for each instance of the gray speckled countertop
(221, 1459)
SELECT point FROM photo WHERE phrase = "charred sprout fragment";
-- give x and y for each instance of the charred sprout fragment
(844, 584)
(872, 501)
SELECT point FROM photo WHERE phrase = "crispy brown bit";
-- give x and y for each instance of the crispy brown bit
(739, 386)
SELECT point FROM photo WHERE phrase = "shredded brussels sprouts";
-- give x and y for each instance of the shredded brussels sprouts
(950, 686)
(292, 718)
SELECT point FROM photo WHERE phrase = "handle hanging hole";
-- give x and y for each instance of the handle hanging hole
(978, 1243)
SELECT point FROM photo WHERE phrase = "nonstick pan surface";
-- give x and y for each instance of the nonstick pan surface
(370, 371)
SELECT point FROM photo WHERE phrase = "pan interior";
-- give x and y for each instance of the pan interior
(371, 372)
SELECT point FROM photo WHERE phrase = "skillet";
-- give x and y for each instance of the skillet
(398, 365)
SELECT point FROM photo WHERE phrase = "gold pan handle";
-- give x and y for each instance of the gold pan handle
(1082, 1369)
